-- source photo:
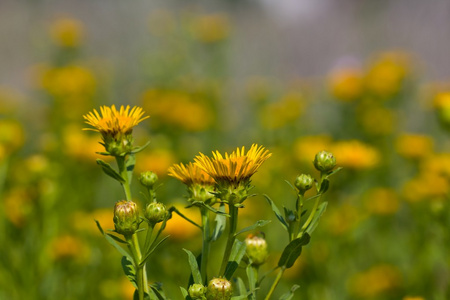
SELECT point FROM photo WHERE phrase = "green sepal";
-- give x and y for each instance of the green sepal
(221, 222)
(290, 294)
(104, 153)
(140, 148)
(237, 253)
(110, 171)
(315, 221)
(129, 270)
(194, 267)
(277, 213)
(259, 223)
(293, 251)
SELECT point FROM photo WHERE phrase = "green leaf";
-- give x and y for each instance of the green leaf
(259, 223)
(290, 294)
(118, 247)
(194, 267)
(221, 222)
(184, 292)
(293, 251)
(252, 275)
(324, 186)
(110, 171)
(315, 221)
(129, 165)
(174, 209)
(289, 215)
(240, 297)
(290, 184)
(277, 212)
(139, 149)
(241, 286)
(237, 252)
(157, 293)
(116, 238)
(99, 227)
(151, 250)
(129, 270)
(334, 171)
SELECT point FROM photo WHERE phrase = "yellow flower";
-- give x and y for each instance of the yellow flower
(11, 135)
(347, 84)
(414, 146)
(427, 186)
(235, 168)
(382, 278)
(113, 122)
(382, 201)
(354, 154)
(67, 32)
(190, 174)
(442, 100)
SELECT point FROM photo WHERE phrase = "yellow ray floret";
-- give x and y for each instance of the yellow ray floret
(190, 174)
(235, 167)
(111, 121)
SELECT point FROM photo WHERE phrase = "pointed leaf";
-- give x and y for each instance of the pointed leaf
(277, 212)
(293, 251)
(237, 252)
(116, 238)
(184, 293)
(259, 223)
(221, 222)
(129, 270)
(99, 227)
(110, 171)
(252, 275)
(241, 286)
(151, 250)
(118, 247)
(194, 267)
(289, 295)
(139, 149)
(315, 221)
(334, 171)
(157, 293)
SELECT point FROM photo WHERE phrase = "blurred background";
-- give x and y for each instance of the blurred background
(366, 80)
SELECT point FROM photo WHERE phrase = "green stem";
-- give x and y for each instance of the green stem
(275, 283)
(124, 173)
(311, 215)
(233, 211)
(205, 244)
(133, 245)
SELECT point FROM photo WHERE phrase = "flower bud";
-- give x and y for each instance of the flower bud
(197, 291)
(256, 249)
(304, 182)
(155, 212)
(148, 179)
(118, 145)
(324, 161)
(219, 289)
(126, 217)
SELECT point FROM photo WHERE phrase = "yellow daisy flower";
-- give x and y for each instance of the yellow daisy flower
(234, 168)
(113, 122)
(190, 174)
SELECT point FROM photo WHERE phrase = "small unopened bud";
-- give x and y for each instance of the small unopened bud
(197, 291)
(219, 289)
(304, 182)
(148, 179)
(256, 249)
(155, 212)
(126, 217)
(324, 161)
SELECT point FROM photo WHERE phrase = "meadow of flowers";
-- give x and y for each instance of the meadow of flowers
(384, 234)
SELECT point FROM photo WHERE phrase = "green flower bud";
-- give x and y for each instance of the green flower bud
(202, 193)
(324, 161)
(119, 145)
(197, 291)
(219, 289)
(126, 217)
(304, 182)
(155, 212)
(256, 249)
(148, 179)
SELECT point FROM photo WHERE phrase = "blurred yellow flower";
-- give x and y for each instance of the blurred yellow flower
(427, 186)
(347, 84)
(414, 146)
(413, 298)
(285, 111)
(81, 146)
(67, 32)
(68, 247)
(386, 74)
(72, 81)
(442, 100)
(306, 147)
(375, 281)
(113, 122)
(156, 160)
(12, 135)
(353, 154)
(234, 168)
(18, 206)
(190, 174)
(342, 219)
(382, 201)
(376, 120)
(437, 163)
(210, 28)
(177, 108)
(180, 229)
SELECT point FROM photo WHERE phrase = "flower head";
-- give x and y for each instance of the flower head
(115, 122)
(235, 168)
